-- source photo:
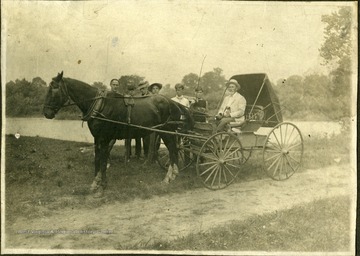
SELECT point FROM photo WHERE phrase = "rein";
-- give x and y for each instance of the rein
(154, 128)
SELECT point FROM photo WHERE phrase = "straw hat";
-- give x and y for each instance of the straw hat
(233, 81)
(143, 85)
(155, 84)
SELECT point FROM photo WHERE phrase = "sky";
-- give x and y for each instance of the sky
(160, 40)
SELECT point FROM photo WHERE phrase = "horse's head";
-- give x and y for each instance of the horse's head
(56, 96)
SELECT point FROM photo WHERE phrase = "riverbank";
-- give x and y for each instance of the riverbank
(77, 130)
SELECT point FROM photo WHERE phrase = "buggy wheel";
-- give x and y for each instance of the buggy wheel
(283, 151)
(162, 156)
(219, 160)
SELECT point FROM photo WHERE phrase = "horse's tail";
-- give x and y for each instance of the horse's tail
(184, 115)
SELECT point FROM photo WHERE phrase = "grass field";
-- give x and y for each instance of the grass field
(46, 175)
(322, 225)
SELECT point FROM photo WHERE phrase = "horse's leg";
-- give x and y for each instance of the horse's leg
(110, 147)
(127, 150)
(138, 146)
(146, 142)
(104, 155)
(170, 143)
(95, 184)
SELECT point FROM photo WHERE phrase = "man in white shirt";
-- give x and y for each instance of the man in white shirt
(179, 96)
(233, 106)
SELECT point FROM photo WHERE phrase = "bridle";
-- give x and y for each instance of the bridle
(59, 90)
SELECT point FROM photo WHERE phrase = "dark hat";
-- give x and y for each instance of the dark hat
(233, 81)
(179, 86)
(143, 85)
(199, 89)
(130, 87)
(155, 84)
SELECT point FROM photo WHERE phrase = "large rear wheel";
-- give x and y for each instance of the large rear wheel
(283, 151)
(219, 160)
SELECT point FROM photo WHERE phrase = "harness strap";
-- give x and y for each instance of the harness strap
(96, 106)
(129, 103)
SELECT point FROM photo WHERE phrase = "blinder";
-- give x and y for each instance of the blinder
(58, 92)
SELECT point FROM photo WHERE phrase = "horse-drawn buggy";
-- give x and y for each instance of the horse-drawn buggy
(219, 156)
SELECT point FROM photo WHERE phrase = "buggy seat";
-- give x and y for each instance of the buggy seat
(254, 117)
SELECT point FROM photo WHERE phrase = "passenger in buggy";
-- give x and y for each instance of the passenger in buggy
(199, 106)
(232, 108)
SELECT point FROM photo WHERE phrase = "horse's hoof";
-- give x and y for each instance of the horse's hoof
(108, 166)
(93, 187)
(172, 177)
(166, 181)
(99, 193)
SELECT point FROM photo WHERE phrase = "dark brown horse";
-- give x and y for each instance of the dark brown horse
(108, 117)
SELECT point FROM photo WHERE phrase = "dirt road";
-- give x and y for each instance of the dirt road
(119, 226)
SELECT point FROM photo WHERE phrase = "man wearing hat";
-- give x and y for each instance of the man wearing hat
(130, 88)
(155, 88)
(179, 96)
(233, 106)
(143, 87)
(200, 106)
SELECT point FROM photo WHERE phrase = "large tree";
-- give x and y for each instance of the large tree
(213, 80)
(337, 49)
(135, 79)
(190, 82)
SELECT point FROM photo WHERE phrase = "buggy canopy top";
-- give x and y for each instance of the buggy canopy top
(257, 90)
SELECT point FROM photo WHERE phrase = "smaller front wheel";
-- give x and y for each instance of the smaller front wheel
(219, 160)
(185, 157)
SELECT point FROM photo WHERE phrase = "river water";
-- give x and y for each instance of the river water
(76, 130)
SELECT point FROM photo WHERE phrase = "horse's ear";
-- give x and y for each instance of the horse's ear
(59, 77)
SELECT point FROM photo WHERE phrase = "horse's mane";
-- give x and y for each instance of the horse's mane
(77, 82)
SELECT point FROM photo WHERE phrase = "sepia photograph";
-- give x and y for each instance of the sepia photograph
(179, 127)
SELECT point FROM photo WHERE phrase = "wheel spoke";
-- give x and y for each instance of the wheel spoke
(220, 171)
(210, 157)
(286, 142)
(277, 139)
(281, 135)
(294, 139)
(226, 142)
(277, 146)
(294, 146)
(214, 178)
(273, 156)
(208, 169)
(232, 165)
(288, 161)
(277, 166)
(298, 162)
(211, 173)
(207, 163)
(225, 178)
(232, 153)
(274, 162)
(229, 171)
(227, 151)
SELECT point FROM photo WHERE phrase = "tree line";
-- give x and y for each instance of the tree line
(308, 97)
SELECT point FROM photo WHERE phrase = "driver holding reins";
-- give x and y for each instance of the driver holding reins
(233, 106)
